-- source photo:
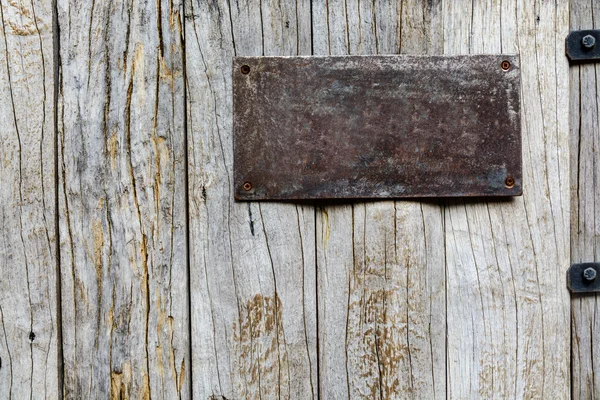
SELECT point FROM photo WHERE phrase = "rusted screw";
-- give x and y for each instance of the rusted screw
(505, 65)
(509, 182)
(589, 274)
(247, 186)
(588, 41)
(245, 69)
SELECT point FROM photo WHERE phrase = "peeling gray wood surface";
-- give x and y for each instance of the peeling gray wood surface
(435, 299)
(253, 285)
(507, 303)
(122, 206)
(380, 265)
(585, 135)
(29, 332)
(500, 265)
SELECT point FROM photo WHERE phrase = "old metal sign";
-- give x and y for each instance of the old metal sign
(376, 127)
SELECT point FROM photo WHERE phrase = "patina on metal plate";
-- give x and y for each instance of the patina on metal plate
(376, 127)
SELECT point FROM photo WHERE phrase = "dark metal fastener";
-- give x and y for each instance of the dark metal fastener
(581, 278)
(588, 41)
(245, 69)
(581, 46)
(589, 274)
(505, 65)
(247, 186)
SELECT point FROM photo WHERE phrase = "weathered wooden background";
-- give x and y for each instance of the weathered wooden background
(128, 271)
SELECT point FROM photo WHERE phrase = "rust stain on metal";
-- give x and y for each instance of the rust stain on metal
(509, 182)
(376, 127)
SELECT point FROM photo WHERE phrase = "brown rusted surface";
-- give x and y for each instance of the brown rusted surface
(376, 127)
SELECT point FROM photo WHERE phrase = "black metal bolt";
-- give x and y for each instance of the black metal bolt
(588, 41)
(589, 274)
(245, 69)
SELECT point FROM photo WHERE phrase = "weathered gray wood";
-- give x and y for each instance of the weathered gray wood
(122, 200)
(585, 215)
(380, 265)
(459, 299)
(252, 264)
(29, 331)
(506, 261)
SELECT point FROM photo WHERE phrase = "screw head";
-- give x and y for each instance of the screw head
(247, 186)
(509, 182)
(245, 69)
(589, 274)
(588, 41)
(505, 65)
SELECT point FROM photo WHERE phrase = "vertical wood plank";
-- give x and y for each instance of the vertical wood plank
(380, 265)
(506, 260)
(122, 200)
(29, 332)
(585, 134)
(252, 264)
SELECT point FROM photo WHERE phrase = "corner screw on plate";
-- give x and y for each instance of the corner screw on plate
(589, 274)
(245, 69)
(588, 41)
(247, 186)
(505, 65)
(509, 182)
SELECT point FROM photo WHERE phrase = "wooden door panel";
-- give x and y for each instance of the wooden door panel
(29, 308)
(170, 288)
(122, 209)
(585, 136)
(442, 298)
(252, 265)
(506, 260)
(380, 265)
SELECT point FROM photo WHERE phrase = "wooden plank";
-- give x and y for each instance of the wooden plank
(506, 261)
(380, 265)
(585, 221)
(29, 329)
(252, 264)
(122, 200)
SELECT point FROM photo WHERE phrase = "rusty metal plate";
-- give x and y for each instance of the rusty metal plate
(376, 127)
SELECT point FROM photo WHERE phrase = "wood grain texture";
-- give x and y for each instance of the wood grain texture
(122, 200)
(506, 261)
(253, 283)
(29, 332)
(585, 218)
(380, 265)
(457, 299)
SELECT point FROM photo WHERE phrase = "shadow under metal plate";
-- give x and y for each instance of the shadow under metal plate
(376, 127)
